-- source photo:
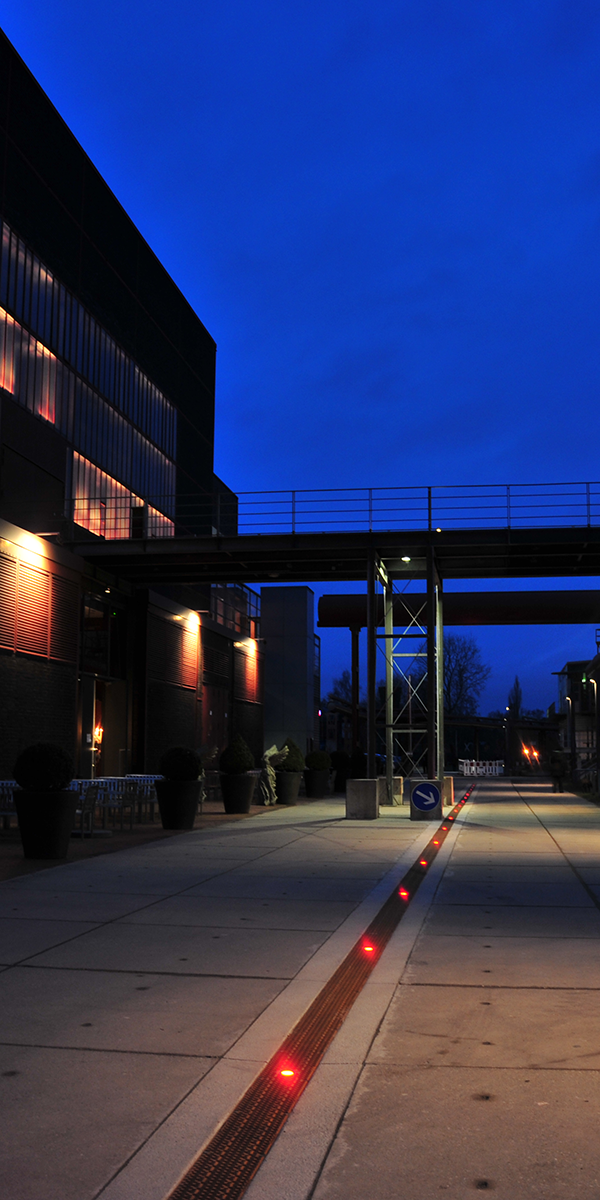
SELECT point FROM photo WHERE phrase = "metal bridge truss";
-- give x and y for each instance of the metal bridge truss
(407, 720)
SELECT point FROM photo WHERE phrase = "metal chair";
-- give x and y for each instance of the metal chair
(7, 802)
(86, 809)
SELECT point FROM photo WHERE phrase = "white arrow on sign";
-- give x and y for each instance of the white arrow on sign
(429, 799)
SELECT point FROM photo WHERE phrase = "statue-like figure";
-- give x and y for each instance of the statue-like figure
(271, 759)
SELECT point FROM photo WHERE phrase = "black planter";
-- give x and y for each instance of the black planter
(316, 784)
(178, 801)
(237, 792)
(46, 820)
(288, 786)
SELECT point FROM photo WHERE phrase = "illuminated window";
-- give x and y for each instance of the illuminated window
(106, 508)
(7, 351)
(27, 369)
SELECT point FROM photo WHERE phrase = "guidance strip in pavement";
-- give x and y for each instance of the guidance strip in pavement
(228, 1163)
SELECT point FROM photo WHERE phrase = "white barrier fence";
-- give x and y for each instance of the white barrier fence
(477, 766)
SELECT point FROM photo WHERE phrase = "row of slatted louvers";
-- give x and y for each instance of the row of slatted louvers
(39, 611)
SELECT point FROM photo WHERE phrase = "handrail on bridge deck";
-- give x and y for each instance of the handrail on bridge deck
(323, 510)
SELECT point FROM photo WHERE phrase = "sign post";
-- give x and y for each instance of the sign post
(426, 800)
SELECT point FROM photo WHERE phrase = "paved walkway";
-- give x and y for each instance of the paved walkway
(142, 992)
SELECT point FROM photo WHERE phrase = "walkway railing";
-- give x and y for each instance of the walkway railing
(310, 510)
(462, 506)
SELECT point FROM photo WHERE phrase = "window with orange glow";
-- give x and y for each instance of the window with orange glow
(103, 506)
(27, 369)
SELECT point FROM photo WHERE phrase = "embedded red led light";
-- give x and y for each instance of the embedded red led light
(423, 862)
(435, 843)
(287, 1073)
(403, 894)
(368, 948)
(444, 828)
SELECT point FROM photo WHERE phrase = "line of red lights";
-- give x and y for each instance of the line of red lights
(367, 945)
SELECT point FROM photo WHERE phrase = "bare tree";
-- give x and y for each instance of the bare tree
(515, 700)
(465, 675)
(342, 688)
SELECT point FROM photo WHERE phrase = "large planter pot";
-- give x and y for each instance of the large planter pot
(178, 801)
(288, 786)
(317, 784)
(46, 820)
(237, 792)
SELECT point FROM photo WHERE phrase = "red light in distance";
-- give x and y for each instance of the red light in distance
(435, 843)
(403, 894)
(423, 862)
(444, 828)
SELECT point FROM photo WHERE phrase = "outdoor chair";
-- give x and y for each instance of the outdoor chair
(120, 796)
(86, 809)
(7, 802)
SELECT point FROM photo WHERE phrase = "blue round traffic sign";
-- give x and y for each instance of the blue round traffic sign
(426, 796)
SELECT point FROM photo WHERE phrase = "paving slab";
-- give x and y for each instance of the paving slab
(55, 905)
(451, 1132)
(337, 870)
(500, 1027)
(513, 922)
(259, 887)
(20, 939)
(511, 961)
(222, 911)
(189, 950)
(498, 870)
(70, 1118)
(129, 1012)
(506, 891)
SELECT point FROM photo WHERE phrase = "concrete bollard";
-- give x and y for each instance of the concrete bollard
(362, 799)
(398, 789)
(426, 799)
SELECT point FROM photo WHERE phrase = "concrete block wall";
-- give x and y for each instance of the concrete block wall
(288, 626)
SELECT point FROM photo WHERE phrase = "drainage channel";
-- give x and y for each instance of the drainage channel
(226, 1166)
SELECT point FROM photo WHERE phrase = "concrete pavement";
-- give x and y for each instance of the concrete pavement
(484, 1073)
(142, 992)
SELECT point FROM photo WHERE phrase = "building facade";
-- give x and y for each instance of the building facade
(107, 395)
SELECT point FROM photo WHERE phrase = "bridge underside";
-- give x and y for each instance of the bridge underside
(345, 556)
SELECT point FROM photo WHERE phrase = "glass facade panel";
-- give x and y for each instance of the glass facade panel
(31, 294)
(73, 375)
(102, 505)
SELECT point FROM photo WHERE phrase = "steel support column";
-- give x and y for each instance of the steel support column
(355, 687)
(389, 690)
(432, 757)
(597, 716)
(439, 668)
(371, 666)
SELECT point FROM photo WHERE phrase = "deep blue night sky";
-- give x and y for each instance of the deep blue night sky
(387, 215)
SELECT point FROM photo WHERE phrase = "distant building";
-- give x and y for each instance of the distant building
(577, 713)
(292, 666)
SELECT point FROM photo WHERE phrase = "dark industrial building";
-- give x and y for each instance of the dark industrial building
(107, 396)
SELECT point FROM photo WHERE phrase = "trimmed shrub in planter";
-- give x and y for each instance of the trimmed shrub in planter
(178, 793)
(316, 775)
(289, 774)
(237, 785)
(45, 806)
